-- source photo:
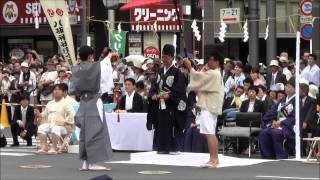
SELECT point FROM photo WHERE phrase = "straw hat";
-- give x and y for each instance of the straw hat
(24, 65)
(274, 63)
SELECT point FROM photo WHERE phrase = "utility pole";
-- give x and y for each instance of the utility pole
(83, 18)
(253, 24)
(316, 30)
(272, 35)
(208, 31)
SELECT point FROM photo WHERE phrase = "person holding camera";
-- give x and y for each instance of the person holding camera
(28, 82)
(46, 84)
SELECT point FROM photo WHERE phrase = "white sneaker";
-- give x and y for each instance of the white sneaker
(95, 167)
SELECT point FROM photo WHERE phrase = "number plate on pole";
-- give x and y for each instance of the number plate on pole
(230, 15)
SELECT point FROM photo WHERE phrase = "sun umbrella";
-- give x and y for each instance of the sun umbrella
(140, 3)
(136, 60)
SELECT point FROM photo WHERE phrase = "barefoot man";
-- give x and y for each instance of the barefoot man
(208, 84)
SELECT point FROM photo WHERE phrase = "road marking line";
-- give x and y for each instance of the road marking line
(18, 150)
(14, 154)
(284, 177)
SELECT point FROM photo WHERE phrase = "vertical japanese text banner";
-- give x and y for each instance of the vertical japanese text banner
(57, 14)
(118, 41)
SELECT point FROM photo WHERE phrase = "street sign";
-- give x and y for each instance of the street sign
(305, 19)
(230, 15)
(306, 7)
(306, 31)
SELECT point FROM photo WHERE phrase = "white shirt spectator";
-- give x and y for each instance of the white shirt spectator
(106, 83)
(5, 85)
(129, 100)
(47, 76)
(287, 72)
(32, 83)
(233, 81)
(24, 114)
(312, 74)
(140, 78)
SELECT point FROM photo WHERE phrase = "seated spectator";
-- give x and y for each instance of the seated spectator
(132, 101)
(307, 113)
(228, 66)
(23, 122)
(232, 104)
(275, 76)
(264, 98)
(280, 95)
(255, 76)
(273, 93)
(57, 119)
(235, 80)
(62, 77)
(277, 127)
(284, 62)
(140, 88)
(246, 84)
(138, 73)
(252, 104)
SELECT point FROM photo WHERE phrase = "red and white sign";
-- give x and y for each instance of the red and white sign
(152, 52)
(306, 7)
(165, 16)
(230, 15)
(21, 12)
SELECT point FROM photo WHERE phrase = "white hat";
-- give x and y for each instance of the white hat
(226, 60)
(304, 81)
(25, 65)
(313, 91)
(274, 63)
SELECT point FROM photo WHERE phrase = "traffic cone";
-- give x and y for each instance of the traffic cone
(4, 115)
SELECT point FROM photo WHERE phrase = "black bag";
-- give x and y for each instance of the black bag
(47, 90)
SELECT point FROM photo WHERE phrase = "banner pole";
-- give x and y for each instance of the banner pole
(297, 99)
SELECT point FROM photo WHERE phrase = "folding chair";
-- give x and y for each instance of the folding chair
(247, 125)
(65, 143)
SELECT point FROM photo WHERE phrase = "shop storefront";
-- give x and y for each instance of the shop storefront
(19, 31)
(151, 28)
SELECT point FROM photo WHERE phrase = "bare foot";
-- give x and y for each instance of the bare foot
(211, 164)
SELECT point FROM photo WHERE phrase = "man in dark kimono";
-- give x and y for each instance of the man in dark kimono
(277, 135)
(167, 104)
(91, 80)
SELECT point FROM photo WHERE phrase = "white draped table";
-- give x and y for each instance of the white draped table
(130, 133)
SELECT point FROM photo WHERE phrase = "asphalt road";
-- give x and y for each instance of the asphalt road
(65, 167)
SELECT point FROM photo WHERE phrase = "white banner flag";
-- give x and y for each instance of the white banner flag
(57, 14)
